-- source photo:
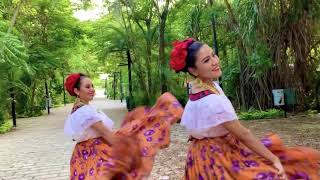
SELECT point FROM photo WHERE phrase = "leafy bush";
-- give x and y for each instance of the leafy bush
(35, 111)
(312, 112)
(268, 114)
(5, 127)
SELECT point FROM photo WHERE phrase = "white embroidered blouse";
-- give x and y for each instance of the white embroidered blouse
(78, 124)
(203, 117)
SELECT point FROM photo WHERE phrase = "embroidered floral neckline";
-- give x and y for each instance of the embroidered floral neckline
(75, 108)
(199, 95)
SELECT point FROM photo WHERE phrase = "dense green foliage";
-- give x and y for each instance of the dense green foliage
(257, 46)
(263, 45)
(40, 43)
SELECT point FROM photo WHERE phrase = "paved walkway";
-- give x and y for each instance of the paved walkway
(38, 149)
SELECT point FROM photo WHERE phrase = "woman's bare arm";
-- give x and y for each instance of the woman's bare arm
(247, 138)
(105, 133)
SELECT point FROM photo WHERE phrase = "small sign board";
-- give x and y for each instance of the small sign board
(278, 97)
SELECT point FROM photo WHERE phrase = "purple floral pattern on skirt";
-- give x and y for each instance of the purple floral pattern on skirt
(227, 158)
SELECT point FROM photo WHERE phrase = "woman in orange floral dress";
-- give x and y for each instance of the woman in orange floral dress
(221, 148)
(127, 153)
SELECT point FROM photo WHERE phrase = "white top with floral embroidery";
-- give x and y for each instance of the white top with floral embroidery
(78, 124)
(203, 117)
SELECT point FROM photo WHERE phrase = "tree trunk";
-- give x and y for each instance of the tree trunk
(33, 95)
(242, 55)
(47, 96)
(13, 107)
(129, 73)
(213, 24)
(163, 18)
(14, 18)
(12, 94)
(149, 60)
(317, 96)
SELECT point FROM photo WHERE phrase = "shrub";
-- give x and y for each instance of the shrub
(5, 127)
(268, 114)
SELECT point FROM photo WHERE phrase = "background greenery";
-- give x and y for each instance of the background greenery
(263, 45)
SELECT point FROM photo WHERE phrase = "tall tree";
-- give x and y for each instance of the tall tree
(163, 10)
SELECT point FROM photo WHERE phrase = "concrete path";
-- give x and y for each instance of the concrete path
(38, 149)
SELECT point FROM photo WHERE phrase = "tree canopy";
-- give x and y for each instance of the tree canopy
(262, 45)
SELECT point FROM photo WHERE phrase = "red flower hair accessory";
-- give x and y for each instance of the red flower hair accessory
(71, 82)
(179, 54)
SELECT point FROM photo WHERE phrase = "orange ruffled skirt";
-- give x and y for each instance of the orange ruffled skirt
(93, 159)
(227, 158)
